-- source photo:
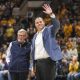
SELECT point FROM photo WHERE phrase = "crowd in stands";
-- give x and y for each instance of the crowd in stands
(68, 36)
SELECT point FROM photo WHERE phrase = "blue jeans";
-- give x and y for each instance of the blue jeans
(9, 77)
(77, 75)
(1, 75)
(70, 77)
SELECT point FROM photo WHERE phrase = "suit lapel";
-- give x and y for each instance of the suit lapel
(34, 40)
(44, 34)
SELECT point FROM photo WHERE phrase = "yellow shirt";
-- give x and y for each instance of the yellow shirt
(67, 30)
(73, 67)
(9, 32)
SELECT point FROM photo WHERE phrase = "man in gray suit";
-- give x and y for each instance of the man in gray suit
(45, 50)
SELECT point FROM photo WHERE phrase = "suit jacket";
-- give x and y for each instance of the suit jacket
(49, 41)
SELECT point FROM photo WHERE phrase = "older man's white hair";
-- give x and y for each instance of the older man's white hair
(22, 30)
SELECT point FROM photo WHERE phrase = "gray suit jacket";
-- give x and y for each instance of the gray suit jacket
(49, 41)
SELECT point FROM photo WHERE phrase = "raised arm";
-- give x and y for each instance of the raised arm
(47, 9)
(55, 22)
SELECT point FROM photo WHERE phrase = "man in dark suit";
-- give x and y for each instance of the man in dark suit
(45, 50)
(18, 56)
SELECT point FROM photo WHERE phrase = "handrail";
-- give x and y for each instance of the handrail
(22, 5)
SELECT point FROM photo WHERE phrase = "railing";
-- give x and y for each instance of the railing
(23, 3)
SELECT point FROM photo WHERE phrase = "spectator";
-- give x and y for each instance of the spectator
(73, 68)
(3, 68)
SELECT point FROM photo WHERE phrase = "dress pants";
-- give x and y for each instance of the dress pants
(18, 75)
(45, 69)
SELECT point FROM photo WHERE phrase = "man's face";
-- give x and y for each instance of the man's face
(39, 23)
(21, 37)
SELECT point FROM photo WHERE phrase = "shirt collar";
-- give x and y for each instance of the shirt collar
(41, 31)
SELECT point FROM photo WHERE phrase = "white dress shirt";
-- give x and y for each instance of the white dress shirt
(40, 52)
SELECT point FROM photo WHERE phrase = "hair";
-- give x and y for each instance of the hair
(38, 17)
(22, 30)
